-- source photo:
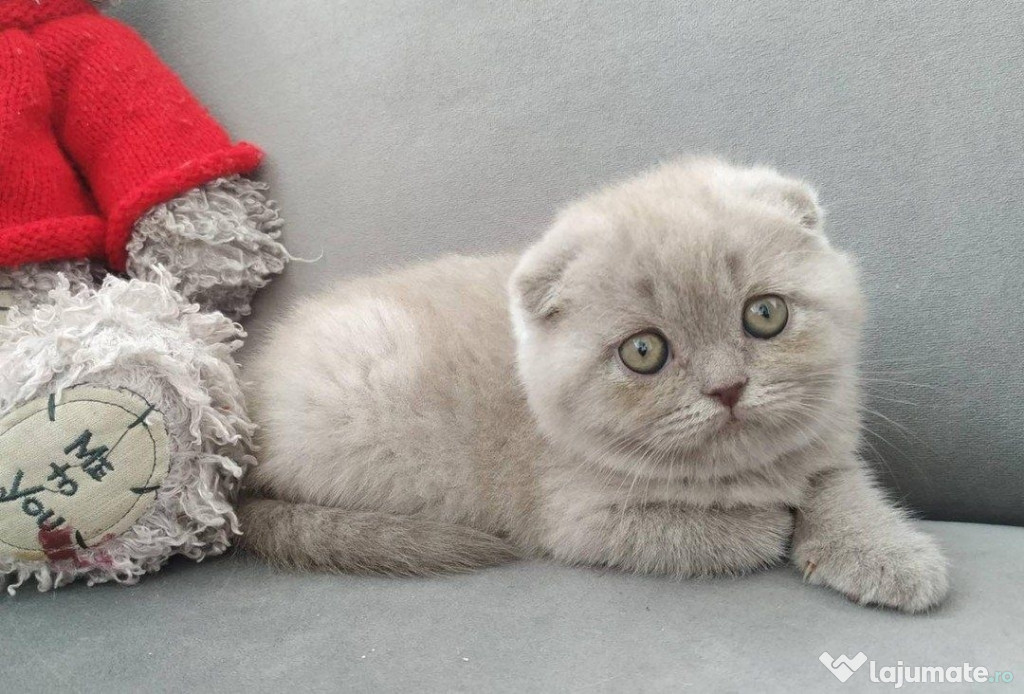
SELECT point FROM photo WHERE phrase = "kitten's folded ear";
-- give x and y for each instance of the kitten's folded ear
(791, 196)
(537, 282)
(538, 278)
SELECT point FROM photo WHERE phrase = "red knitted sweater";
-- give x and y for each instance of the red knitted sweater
(94, 130)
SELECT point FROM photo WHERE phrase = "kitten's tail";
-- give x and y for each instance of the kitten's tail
(323, 538)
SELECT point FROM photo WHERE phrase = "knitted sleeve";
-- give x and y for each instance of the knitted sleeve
(136, 134)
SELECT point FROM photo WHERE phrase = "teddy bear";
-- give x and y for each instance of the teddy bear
(131, 240)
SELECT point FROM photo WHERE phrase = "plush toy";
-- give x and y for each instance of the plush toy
(129, 241)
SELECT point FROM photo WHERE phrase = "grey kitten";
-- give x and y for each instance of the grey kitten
(666, 382)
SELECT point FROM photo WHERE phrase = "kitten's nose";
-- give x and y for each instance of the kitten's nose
(728, 395)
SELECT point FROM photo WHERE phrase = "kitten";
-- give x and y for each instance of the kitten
(666, 382)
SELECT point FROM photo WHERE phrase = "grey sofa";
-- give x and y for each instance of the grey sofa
(399, 129)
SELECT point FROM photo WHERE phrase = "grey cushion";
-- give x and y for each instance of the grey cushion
(402, 129)
(229, 626)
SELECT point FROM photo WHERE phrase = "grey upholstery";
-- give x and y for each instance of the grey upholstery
(403, 129)
(399, 129)
(230, 626)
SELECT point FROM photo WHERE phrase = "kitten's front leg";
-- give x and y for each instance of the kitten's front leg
(849, 537)
(670, 538)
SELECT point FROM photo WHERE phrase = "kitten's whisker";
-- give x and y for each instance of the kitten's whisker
(908, 384)
(873, 396)
(901, 427)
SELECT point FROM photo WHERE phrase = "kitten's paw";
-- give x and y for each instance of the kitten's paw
(738, 541)
(907, 572)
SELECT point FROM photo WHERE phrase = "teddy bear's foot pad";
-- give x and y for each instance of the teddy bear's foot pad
(77, 469)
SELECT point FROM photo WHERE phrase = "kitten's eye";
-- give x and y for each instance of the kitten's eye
(646, 352)
(765, 316)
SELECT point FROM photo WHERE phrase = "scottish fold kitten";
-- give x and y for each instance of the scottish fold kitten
(666, 382)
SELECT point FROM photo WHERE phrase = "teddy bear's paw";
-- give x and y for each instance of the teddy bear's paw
(77, 468)
(219, 240)
(908, 573)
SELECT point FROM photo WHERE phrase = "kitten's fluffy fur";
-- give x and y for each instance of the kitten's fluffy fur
(463, 412)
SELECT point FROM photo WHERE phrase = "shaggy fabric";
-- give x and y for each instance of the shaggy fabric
(141, 336)
(31, 284)
(220, 240)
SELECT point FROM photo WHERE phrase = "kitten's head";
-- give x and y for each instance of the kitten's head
(693, 320)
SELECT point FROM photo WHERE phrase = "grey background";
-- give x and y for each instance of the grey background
(400, 129)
